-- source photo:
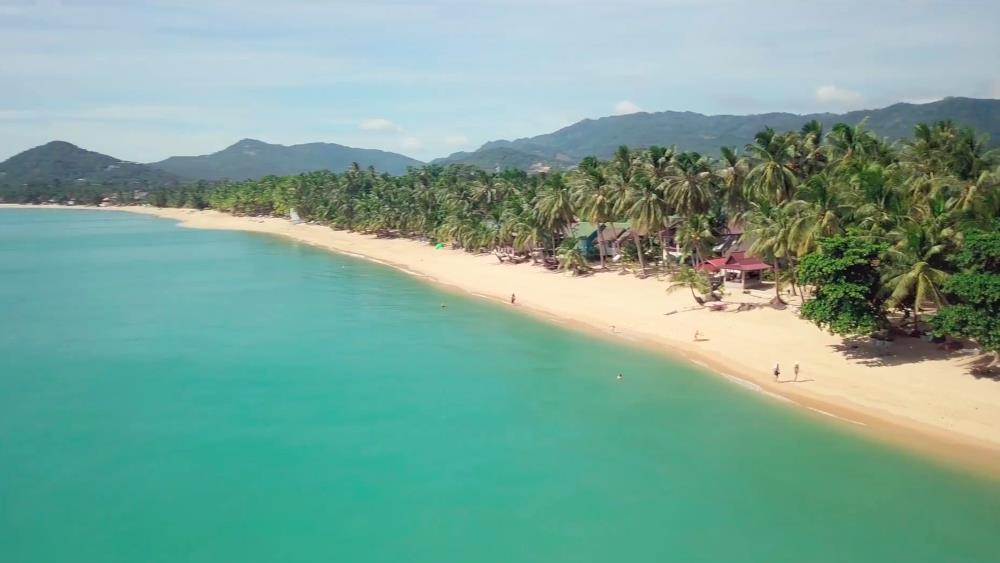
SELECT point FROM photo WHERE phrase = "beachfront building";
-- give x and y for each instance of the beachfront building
(736, 269)
(731, 240)
(614, 236)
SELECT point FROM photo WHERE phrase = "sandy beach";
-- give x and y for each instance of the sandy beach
(915, 395)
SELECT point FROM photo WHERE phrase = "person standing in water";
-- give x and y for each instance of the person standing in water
(620, 377)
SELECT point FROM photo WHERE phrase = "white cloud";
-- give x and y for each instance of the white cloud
(456, 140)
(380, 125)
(626, 106)
(410, 144)
(832, 95)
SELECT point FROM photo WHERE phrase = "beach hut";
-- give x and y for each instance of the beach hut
(590, 239)
(737, 269)
(731, 239)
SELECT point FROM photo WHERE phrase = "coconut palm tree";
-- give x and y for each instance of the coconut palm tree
(695, 238)
(554, 206)
(919, 284)
(771, 176)
(877, 194)
(809, 153)
(820, 212)
(689, 278)
(645, 209)
(625, 174)
(571, 257)
(593, 198)
(733, 173)
(770, 231)
(918, 257)
(689, 184)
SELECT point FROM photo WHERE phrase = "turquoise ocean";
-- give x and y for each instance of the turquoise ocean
(176, 395)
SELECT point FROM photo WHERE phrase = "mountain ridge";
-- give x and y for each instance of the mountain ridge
(60, 162)
(694, 131)
(252, 158)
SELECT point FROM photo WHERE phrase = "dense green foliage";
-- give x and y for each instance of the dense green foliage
(251, 159)
(705, 134)
(974, 292)
(844, 273)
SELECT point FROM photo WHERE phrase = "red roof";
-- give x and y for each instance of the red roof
(736, 261)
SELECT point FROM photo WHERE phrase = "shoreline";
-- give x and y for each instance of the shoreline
(920, 398)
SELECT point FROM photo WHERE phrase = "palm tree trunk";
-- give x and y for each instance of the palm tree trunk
(600, 245)
(663, 250)
(638, 250)
(777, 283)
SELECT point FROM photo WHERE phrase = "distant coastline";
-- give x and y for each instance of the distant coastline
(933, 406)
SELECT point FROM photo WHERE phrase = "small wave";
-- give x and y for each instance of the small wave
(831, 415)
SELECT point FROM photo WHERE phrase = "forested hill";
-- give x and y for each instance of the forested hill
(251, 159)
(59, 163)
(707, 133)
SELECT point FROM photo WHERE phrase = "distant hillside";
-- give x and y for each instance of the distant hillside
(64, 164)
(706, 134)
(250, 158)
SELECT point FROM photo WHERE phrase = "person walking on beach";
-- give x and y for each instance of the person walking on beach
(796, 370)
(777, 370)
(513, 298)
(697, 335)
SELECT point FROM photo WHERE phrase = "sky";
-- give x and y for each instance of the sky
(143, 80)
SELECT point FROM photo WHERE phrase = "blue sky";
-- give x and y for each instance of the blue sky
(143, 80)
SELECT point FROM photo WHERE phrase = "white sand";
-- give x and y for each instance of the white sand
(918, 395)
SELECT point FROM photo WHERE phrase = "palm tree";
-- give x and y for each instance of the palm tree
(646, 210)
(771, 229)
(980, 196)
(689, 278)
(919, 285)
(554, 206)
(695, 238)
(918, 255)
(733, 174)
(530, 234)
(593, 198)
(571, 257)
(809, 154)
(820, 212)
(624, 174)
(877, 195)
(771, 177)
(689, 184)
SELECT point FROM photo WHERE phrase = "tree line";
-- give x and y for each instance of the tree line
(880, 233)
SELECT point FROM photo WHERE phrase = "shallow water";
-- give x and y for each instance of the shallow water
(180, 395)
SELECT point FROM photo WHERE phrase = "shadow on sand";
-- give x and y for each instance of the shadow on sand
(984, 367)
(908, 350)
